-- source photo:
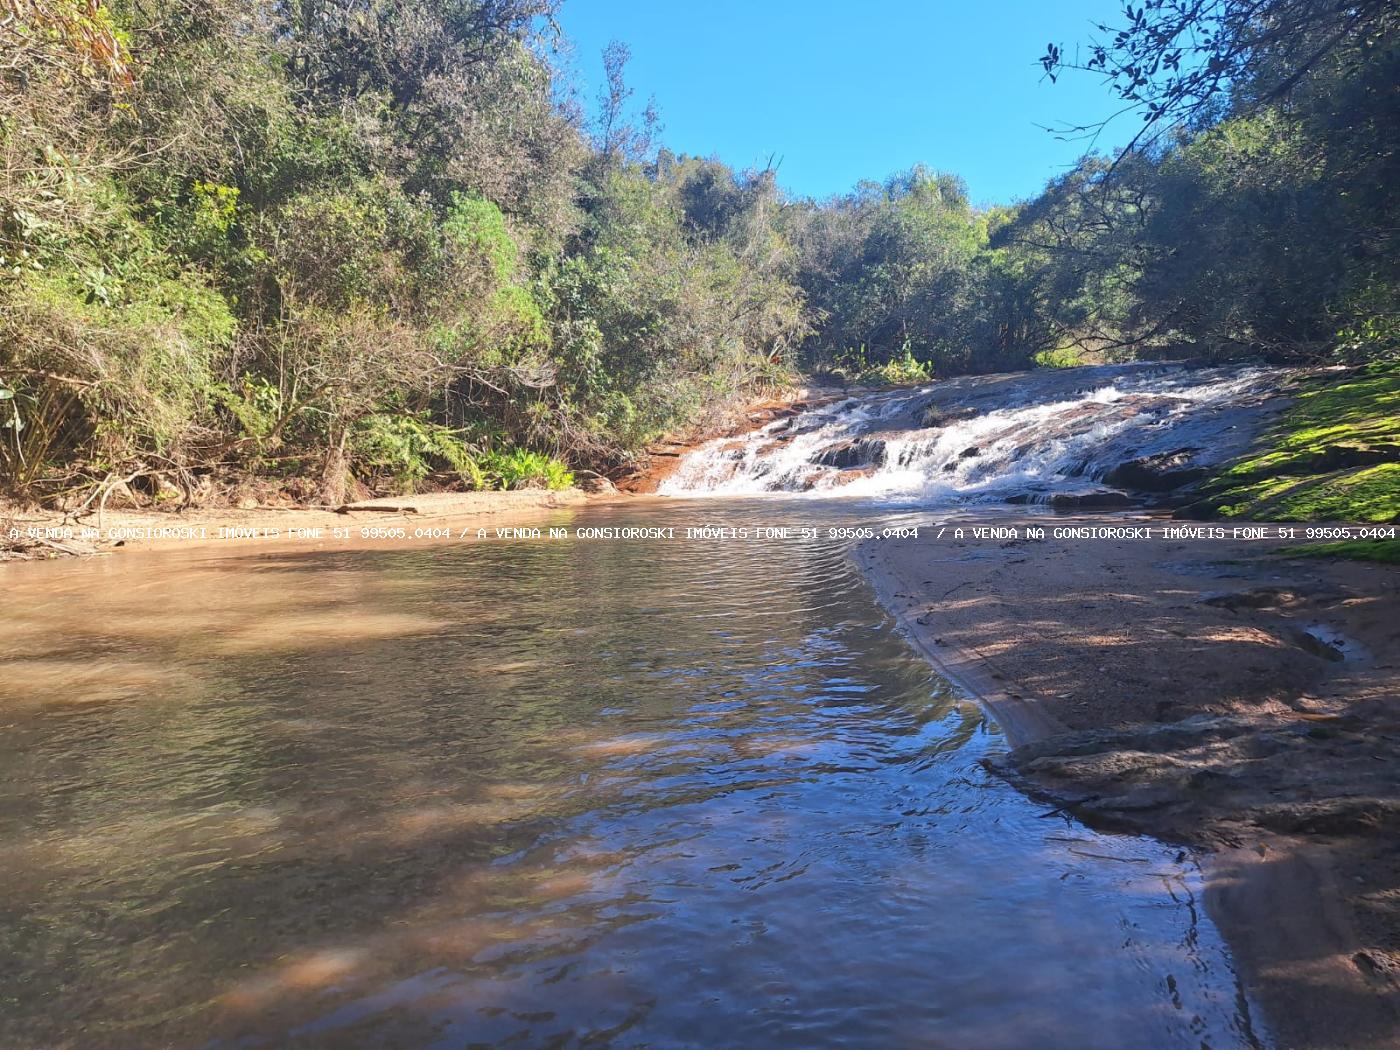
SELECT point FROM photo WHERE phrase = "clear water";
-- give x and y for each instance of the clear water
(535, 794)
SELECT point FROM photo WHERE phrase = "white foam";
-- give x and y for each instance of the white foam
(1029, 448)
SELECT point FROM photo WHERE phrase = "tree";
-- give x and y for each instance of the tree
(1181, 61)
(1256, 209)
(616, 138)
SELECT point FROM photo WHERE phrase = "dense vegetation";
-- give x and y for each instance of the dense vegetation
(379, 243)
(325, 240)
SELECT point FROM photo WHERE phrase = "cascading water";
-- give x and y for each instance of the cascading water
(1077, 437)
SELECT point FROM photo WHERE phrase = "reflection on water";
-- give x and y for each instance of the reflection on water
(543, 794)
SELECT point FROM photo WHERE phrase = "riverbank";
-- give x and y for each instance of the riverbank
(1222, 698)
(37, 534)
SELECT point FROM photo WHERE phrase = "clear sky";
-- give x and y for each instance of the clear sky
(840, 91)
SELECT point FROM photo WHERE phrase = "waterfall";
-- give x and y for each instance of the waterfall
(1078, 437)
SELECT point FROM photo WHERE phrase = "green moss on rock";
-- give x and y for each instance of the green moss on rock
(1334, 456)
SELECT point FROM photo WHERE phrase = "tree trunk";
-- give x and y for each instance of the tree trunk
(333, 474)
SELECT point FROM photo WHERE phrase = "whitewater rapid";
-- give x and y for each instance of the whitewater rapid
(1033, 437)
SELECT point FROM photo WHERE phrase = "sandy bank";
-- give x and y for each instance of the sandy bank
(42, 534)
(1217, 696)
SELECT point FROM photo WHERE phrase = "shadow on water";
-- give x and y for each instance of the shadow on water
(545, 794)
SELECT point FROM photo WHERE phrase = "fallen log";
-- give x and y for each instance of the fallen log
(378, 508)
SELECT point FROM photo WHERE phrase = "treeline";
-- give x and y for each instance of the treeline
(1258, 209)
(338, 241)
(1256, 212)
(379, 242)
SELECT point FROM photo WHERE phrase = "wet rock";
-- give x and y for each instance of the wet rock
(1162, 472)
(1319, 644)
(1201, 510)
(1254, 598)
(968, 453)
(1321, 775)
(942, 416)
(851, 474)
(1092, 499)
(1377, 964)
(841, 454)
(732, 449)
(1365, 815)
(1083, 417)
(857, 452)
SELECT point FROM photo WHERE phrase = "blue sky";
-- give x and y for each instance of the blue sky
(838, 92)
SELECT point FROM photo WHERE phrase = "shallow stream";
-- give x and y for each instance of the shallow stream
(545, 793)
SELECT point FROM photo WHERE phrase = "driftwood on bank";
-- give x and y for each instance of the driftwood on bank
(378, 508)
(80, 550)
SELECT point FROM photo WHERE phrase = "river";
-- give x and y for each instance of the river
(547, 794)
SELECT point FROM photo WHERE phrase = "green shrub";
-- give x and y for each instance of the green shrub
(255, 403)
(905, 370)
(362, 243)
(39, 430)
(521, 469)
(410, 448)
(1061, 357)
(110, 347)
(476, 225)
